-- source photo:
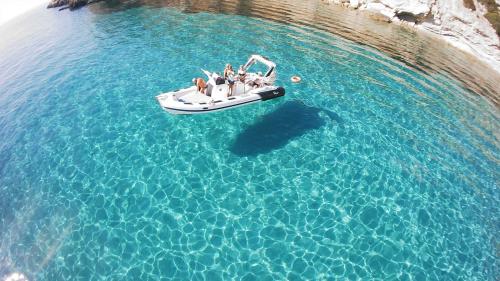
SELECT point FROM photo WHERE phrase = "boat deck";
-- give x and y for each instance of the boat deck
(195, 97)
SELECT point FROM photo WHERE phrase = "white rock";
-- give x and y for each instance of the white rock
(414, 7)
(354, 3)
(375, 7)
(388, 13)
(466, 29)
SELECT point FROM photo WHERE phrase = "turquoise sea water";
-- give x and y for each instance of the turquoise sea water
(368, 169)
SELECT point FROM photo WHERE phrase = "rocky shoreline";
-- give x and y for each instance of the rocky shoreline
(71, 4)
(465, 24)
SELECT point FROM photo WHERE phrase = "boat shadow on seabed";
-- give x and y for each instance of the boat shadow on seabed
(274, 130)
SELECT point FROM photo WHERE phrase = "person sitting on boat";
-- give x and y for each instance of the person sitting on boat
(229, 75)
(242, 74)
(257, 81)
(200, 84)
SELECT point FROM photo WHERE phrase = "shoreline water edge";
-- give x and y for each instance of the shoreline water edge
(380, 164)
(463, 24)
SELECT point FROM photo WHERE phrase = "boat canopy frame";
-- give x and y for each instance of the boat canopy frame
(271, 66)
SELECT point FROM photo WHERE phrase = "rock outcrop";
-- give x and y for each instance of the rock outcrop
(471, 25)
(467, 24)
(72, 4)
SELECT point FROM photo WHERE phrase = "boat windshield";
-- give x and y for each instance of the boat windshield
(265, 66)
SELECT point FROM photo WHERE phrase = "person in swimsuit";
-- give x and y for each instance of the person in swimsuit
(242, 74)
(200, 84)
(229, 75)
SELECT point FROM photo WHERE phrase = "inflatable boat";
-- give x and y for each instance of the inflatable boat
(248, 87)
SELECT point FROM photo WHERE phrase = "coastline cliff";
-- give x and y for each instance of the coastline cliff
(471, 25)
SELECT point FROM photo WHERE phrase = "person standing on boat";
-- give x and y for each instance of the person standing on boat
(242, 74)
(201, 85)
(229, 75)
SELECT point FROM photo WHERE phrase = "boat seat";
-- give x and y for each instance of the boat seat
(195, 98)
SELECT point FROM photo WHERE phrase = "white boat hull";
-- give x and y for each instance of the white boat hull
(246, 88)
(189, 101)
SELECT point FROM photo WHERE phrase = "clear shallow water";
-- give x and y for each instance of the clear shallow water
(368, 169)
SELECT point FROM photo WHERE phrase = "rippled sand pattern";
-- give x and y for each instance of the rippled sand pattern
(369, 169)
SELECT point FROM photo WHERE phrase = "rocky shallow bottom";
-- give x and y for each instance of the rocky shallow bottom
(374, 167)
(370, 168)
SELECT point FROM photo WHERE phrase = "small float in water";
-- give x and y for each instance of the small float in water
(248, 88)
(295, 79)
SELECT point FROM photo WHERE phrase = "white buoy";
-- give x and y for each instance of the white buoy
(295, 79)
